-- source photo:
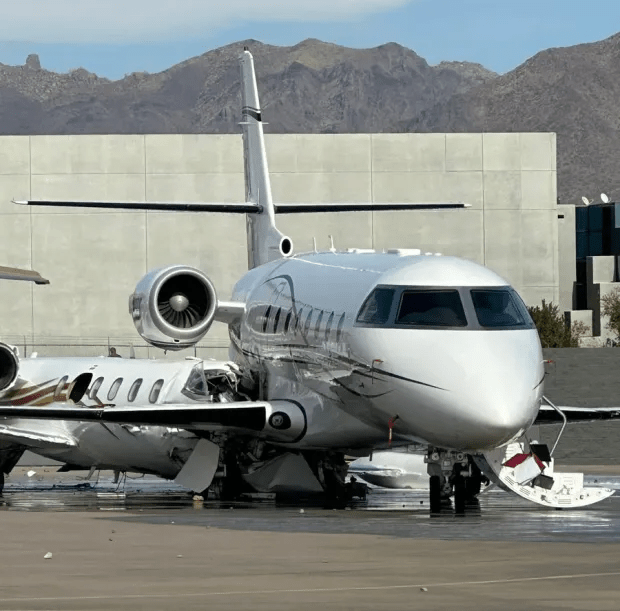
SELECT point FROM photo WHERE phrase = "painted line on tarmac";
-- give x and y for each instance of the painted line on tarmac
(311, 590)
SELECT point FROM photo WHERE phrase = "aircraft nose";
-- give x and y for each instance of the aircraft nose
(497, 395)
(497, 411)
(480, 390)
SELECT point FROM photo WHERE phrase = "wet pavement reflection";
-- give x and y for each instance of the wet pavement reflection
(496, 515)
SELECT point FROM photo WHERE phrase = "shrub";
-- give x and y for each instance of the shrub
(610, 306)
(553, 330)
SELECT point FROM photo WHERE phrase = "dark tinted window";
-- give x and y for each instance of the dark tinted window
(114, 388)
(317, 326)
(154, 394)
(94, 389)
(307, 323)
(376, 308)
(328, 326)
(432, 308)
(287, 321)
(299, 320)
(133, 391)
(276, 319)
(339, 329)
(500, 308)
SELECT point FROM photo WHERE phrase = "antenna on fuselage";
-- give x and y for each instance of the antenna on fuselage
(265, 242)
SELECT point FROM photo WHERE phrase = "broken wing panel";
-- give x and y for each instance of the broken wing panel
(34, 439)
(547, 415)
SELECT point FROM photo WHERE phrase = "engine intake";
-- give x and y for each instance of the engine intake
(173, 307)
(9, 366)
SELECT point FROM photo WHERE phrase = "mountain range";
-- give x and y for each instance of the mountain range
(318, 87)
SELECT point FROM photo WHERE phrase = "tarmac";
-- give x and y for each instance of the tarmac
(146, 544)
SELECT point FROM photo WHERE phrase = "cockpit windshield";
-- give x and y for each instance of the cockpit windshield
(500, 307)
(438, 307)
(432, 308)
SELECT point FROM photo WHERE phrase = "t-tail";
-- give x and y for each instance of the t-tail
(265, 242)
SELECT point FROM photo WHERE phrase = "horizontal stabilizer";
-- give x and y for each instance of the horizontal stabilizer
(547, 415)
(365, 206)
(161, 206)
(14, 273)
(249, 207)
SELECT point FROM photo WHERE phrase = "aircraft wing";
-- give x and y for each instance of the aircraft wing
(276, 420)
(547, 415)
(14, 273)
(31, 438)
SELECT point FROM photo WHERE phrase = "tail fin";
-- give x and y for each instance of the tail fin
(265, 242)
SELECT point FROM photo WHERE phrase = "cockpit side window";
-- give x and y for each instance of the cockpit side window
(500, 307)
(196, 385)
(431, 308)
(376, 308)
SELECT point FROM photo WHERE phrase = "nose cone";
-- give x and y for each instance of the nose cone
(468, 390)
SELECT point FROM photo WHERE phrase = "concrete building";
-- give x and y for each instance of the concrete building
(95, 258)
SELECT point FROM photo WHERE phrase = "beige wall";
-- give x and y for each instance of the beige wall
(95, 258)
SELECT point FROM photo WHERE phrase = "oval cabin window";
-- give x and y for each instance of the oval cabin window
(94, 389)
(154, 394)
(114, 388)
(133, 391)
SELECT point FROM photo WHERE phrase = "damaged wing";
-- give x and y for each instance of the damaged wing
(32, 438)
(548, 415)
(283, 421)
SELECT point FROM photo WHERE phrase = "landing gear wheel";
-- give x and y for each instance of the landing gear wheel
(473, 483)
(435, 493)
(460, 494)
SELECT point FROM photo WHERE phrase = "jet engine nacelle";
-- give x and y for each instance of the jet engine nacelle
(9, 366)
(173, 307)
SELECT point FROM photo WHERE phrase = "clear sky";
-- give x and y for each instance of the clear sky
(116, 37)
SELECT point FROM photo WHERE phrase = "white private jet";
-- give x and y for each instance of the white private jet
(346, 353)
(93, 382)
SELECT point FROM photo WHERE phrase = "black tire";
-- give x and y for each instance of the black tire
(435, 493)
(460, 494)
(474, 481)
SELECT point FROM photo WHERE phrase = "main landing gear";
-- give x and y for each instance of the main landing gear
(451, 474)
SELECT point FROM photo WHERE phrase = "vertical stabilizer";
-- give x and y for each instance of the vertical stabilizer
(265, 242)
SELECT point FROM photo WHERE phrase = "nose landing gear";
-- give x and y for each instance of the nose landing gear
(451, 474)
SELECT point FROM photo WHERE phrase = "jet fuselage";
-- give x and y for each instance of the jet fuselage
(428, 358)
